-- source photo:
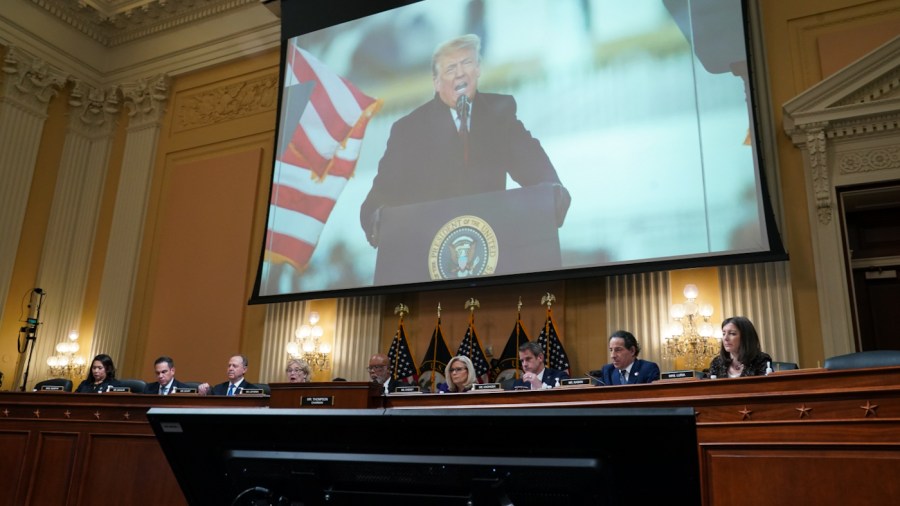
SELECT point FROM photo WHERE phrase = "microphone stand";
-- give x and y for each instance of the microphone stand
(31, 336)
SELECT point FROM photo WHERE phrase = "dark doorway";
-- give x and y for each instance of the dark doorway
(872, 235)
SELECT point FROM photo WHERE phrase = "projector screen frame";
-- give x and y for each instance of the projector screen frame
(760, 110)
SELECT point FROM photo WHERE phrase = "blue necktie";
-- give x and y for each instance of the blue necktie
(623, 374)
(231, 389)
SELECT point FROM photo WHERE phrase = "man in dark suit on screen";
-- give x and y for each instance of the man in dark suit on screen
(535, 375)
(462, 142)
(626, 368)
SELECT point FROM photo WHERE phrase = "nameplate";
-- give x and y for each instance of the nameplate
(681, 375)
(119, 390)
(323, 400)
(52, 388)
(486, 386)
(575, 382)
(252, 391)
(183, 390)
(411, 389)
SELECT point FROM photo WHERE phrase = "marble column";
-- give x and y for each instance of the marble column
(27, 85)
(145, 101)
(65, 260)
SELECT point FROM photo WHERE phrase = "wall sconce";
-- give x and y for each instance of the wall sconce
(66, 364)
(691, 336)
(307, 344)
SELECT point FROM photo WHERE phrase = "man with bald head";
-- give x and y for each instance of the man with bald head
(380, 372)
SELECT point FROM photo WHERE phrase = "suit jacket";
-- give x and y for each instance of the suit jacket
(222, 388)
(424, 159)
(88, 387)
(394, 384)
(642, 371)
(153, 388)
(549, 378)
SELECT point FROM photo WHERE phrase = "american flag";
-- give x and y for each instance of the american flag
(554, 354)
(471, 348)
(316, 158)
(401, 361)
(509, 359)
(432, 367)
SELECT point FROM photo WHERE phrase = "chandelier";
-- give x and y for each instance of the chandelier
(307, 344)
(66, 364)
(691, 337)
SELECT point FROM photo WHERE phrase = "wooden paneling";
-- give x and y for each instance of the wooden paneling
(122, 466)
(14, 444)
(802, 475)
(74, 449)
(53, 468)
(807, 437)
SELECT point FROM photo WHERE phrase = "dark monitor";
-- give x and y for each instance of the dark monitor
(432, 456)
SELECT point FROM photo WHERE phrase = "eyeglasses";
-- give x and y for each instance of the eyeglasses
(293, 370)
(457, 369)
(375, 367)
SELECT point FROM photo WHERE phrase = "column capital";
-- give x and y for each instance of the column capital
(93, 109)
(29, 82)
(145, 100)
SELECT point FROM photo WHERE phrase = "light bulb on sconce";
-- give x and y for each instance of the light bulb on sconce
(691, 337)
(66, 364)
(307, 344)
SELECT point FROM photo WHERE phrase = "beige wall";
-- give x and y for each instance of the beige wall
(219, 127)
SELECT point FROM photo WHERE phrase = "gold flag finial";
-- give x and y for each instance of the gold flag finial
(471, 304)
(548, 299)
(519, 306)
(401, 309)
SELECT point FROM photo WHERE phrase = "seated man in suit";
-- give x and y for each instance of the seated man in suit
(536, 376)
(165, 378)
(626, 368)
(237, 367)
(380, 372)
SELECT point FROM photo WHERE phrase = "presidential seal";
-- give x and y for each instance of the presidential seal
(464, 247)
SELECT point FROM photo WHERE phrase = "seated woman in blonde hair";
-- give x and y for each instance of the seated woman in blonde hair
(298, 371)
(460, 374)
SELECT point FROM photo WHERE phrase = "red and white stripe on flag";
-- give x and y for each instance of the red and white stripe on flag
(313, 169)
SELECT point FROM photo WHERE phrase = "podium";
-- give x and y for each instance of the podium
(496, 233)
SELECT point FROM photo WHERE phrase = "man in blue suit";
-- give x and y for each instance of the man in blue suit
(626, 368)
(536, 376)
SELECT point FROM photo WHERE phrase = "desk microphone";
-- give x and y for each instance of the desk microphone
(594, 376)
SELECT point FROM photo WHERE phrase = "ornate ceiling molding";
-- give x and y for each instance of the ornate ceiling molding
(115, 22)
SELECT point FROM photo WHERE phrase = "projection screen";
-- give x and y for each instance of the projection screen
(600, 137)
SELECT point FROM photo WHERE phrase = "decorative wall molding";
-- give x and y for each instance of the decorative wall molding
(226, 102)
(28, 81)
(115, 22)
(867, 160)
(848, 129)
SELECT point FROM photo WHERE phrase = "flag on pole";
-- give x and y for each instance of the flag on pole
(509, 366)
(554, 354)
(471, 348)
(400, 358)
(431, 370)
(316, 157)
